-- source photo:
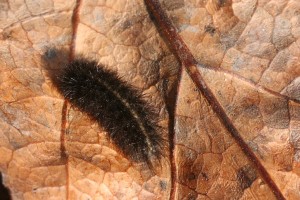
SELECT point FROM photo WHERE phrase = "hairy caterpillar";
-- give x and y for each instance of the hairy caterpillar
(116, 105)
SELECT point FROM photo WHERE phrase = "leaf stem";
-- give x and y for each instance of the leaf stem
(181, 50)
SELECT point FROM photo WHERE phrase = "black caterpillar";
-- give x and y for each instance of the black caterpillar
(116, 105)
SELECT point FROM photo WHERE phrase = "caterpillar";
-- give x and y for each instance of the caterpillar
(116, 105)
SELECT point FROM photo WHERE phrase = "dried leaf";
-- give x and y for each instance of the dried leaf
(232, 115)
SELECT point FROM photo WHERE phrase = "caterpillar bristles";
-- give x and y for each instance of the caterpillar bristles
(117, 106)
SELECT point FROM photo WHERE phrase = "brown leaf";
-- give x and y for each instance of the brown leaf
(235, 113)
(230, 66)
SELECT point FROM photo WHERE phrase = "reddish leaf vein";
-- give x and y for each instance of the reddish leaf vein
(178, 46)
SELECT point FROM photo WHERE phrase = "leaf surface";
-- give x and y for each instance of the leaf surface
(223, 76)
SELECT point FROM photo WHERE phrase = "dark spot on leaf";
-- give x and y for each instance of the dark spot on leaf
(246, 175)
(205, 177)
(191, 176)
(223, 3)
(127, 24)
(210, 29)
(50, 53)
(163, 185)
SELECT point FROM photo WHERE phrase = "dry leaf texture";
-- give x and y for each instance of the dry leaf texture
(223, 76)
